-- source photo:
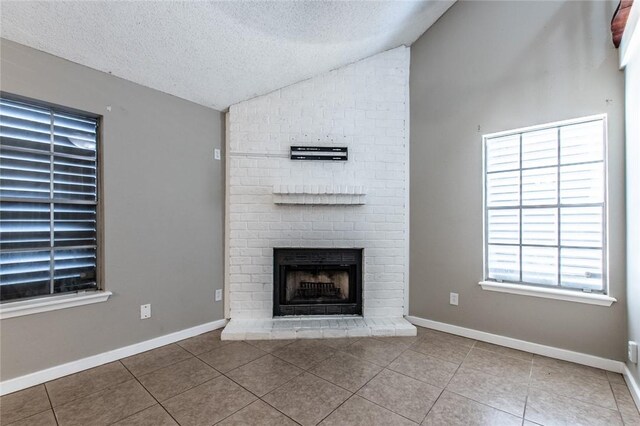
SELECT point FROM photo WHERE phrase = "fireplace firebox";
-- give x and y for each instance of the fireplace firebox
(317, 281)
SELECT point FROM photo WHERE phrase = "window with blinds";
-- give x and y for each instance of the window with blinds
(48, 200)
(545, 205)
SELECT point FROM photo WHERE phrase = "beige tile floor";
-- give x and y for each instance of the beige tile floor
(432, 379)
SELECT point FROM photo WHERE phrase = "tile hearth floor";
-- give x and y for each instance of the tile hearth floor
(431, 379)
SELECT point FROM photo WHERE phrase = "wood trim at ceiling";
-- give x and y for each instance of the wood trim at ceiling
(619, 21)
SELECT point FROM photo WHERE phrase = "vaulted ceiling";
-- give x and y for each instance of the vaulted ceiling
(216, 53)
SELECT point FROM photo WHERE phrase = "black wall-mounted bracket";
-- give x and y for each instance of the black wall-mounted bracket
(321, 153)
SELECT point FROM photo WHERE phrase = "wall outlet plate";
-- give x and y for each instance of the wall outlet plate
(632, 352)
(218, 295)
(453, 299)
(216, 154)
(145, 311)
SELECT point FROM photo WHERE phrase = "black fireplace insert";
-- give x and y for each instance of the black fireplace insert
(317, 281)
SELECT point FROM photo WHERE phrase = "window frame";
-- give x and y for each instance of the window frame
(545, 290)
(52, 301)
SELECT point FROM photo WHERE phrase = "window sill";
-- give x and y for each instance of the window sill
(52, 303)
(549, 293)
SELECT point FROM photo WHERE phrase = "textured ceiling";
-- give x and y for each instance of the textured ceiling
(216, 53)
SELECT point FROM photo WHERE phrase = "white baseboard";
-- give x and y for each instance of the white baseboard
(523, 345)
(42, 376)
(633, 385)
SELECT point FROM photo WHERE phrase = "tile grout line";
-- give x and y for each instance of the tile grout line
(526, 399)
(356, 392)
(55, 417)
(577, 399)
(352, 393)
(449, 381)
(156, 369)
(615, 399)
(127, 379)
(480, 402)
(301, 373)
(152, 396)
(319, 362)
(259, 398)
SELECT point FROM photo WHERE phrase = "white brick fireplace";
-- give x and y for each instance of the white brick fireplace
(276, 202)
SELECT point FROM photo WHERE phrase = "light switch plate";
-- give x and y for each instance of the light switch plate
(145, 311)
(216, 154)
(218, 295)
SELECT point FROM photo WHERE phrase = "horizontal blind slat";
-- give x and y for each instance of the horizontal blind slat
(26, 227)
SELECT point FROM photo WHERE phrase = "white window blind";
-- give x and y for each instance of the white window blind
(545, 205)
(48, 200)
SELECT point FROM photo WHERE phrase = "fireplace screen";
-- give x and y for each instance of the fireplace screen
(317, 281)
(317, 286)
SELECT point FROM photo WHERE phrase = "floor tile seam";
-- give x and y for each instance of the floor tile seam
(155, 371)
(388, 363)
(389, 409)
(615, 398)
(300, 373)
(381, 339)
(239, 409)
(524, 382)
(380, 372)
(459, 366)
(335, 409)
(307, 371)
(383, 407)
(249, 343)
(575, 399)
(159, 368)
(487, 405)
(440, 340)
(31, 415)
(194, 354)
(276, 408)
(507, 355)
(55, 418)
(241, 365)
(284, 414)
(415, 378)
(526, 399)
(257, 359)
(454, 374)
(57, 407)
(579, 376)
(154, 398)
(436, 357)
(432, 405)
(335, 384)
(431, 356)
(524, 409)
(131, 376)
(311, 366)
(359, 359)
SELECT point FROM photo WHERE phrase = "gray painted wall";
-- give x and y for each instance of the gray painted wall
(163, 221)
(632, 88)
(491, 66)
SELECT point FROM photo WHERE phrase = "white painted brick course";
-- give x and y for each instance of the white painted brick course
(363, 106)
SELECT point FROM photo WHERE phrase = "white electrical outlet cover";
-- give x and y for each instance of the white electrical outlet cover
(216, 154)
(453, 299)
(145, 311)
(218, 295)
(633, 352)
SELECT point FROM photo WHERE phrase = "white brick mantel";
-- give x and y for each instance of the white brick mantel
(274, 201)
